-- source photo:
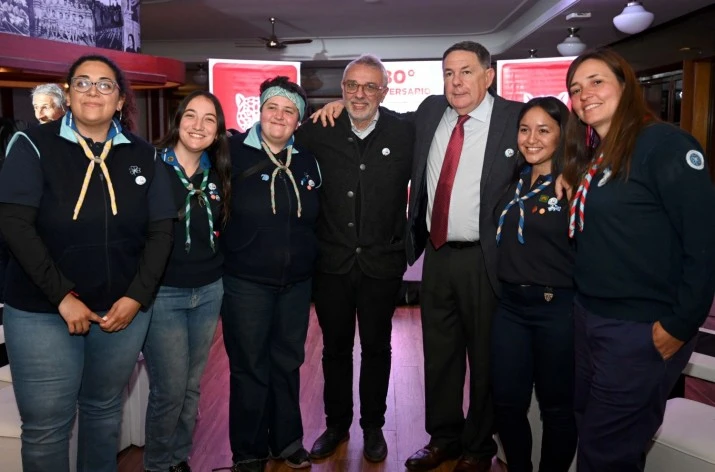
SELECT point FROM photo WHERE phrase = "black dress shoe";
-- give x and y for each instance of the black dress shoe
(251, 466)
(472, 464)
(180, 467)
(327, 442)
(374, 445)
(430, 457)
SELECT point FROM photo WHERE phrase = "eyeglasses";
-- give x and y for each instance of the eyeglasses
(370, 89)
(104, 86)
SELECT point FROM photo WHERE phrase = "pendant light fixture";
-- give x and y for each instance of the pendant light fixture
(633, 19)
(572, 45)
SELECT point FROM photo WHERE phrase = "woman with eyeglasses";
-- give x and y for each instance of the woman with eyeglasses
(186, 309)
(86, 209)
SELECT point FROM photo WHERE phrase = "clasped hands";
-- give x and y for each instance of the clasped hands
(79, 317)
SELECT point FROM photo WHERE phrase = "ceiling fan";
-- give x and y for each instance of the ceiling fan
(272, 41)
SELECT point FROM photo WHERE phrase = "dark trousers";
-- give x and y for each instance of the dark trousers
(533, 348)
(264, 331)
(338, 298)
(622, 384)
(457, 306)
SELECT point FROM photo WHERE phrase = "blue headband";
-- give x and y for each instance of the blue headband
(276, 91)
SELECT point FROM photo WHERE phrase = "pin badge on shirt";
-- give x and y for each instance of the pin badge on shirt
(140, 180)
(605, 178)
(307, 182)
(695, 159)
(212, 186)
(553, 204)
(509, 152)
(385, 151)
(265, 177)
(135, 170)
(548, 294)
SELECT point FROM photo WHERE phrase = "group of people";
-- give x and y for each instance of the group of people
(599, 320)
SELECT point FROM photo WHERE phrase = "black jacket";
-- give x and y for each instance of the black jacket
(201, 264)
(100, 255)
(258, 245)
(364, 197)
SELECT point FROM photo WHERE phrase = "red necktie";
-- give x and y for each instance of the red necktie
(443, 193)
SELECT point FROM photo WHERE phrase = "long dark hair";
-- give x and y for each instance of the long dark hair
(129, 109)
(560, 114)
(218, 151)
(631, 115)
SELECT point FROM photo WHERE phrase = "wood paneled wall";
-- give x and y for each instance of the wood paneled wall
(698, 105)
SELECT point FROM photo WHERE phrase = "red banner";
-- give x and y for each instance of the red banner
(523, 79)
(236, 85)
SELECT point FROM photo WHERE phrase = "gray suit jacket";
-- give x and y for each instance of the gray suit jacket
(497, 173)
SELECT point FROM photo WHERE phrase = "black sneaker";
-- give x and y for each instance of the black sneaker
(328, 442)
(374, 445)
(180, 467)
(298, 460)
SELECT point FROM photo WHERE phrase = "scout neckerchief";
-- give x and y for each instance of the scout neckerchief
(113, 131)
(579, 199)
(518, 199)
(200, 194)
(284, 168)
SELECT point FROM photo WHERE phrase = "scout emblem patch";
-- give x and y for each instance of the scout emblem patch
(695, 160)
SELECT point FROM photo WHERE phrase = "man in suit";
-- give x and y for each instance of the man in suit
(451, 217)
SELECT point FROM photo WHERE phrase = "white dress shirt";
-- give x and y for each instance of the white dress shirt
(463, 222)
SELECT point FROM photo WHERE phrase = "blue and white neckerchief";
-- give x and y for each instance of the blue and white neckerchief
(518, 199)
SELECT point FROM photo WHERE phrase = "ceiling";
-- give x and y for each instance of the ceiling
(195, 30)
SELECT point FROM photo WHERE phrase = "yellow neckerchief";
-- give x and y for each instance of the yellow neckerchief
(284, 168)
(88, 175)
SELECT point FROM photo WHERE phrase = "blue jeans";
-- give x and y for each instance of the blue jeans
(54, 373)
(176, 350)
(264, 330)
